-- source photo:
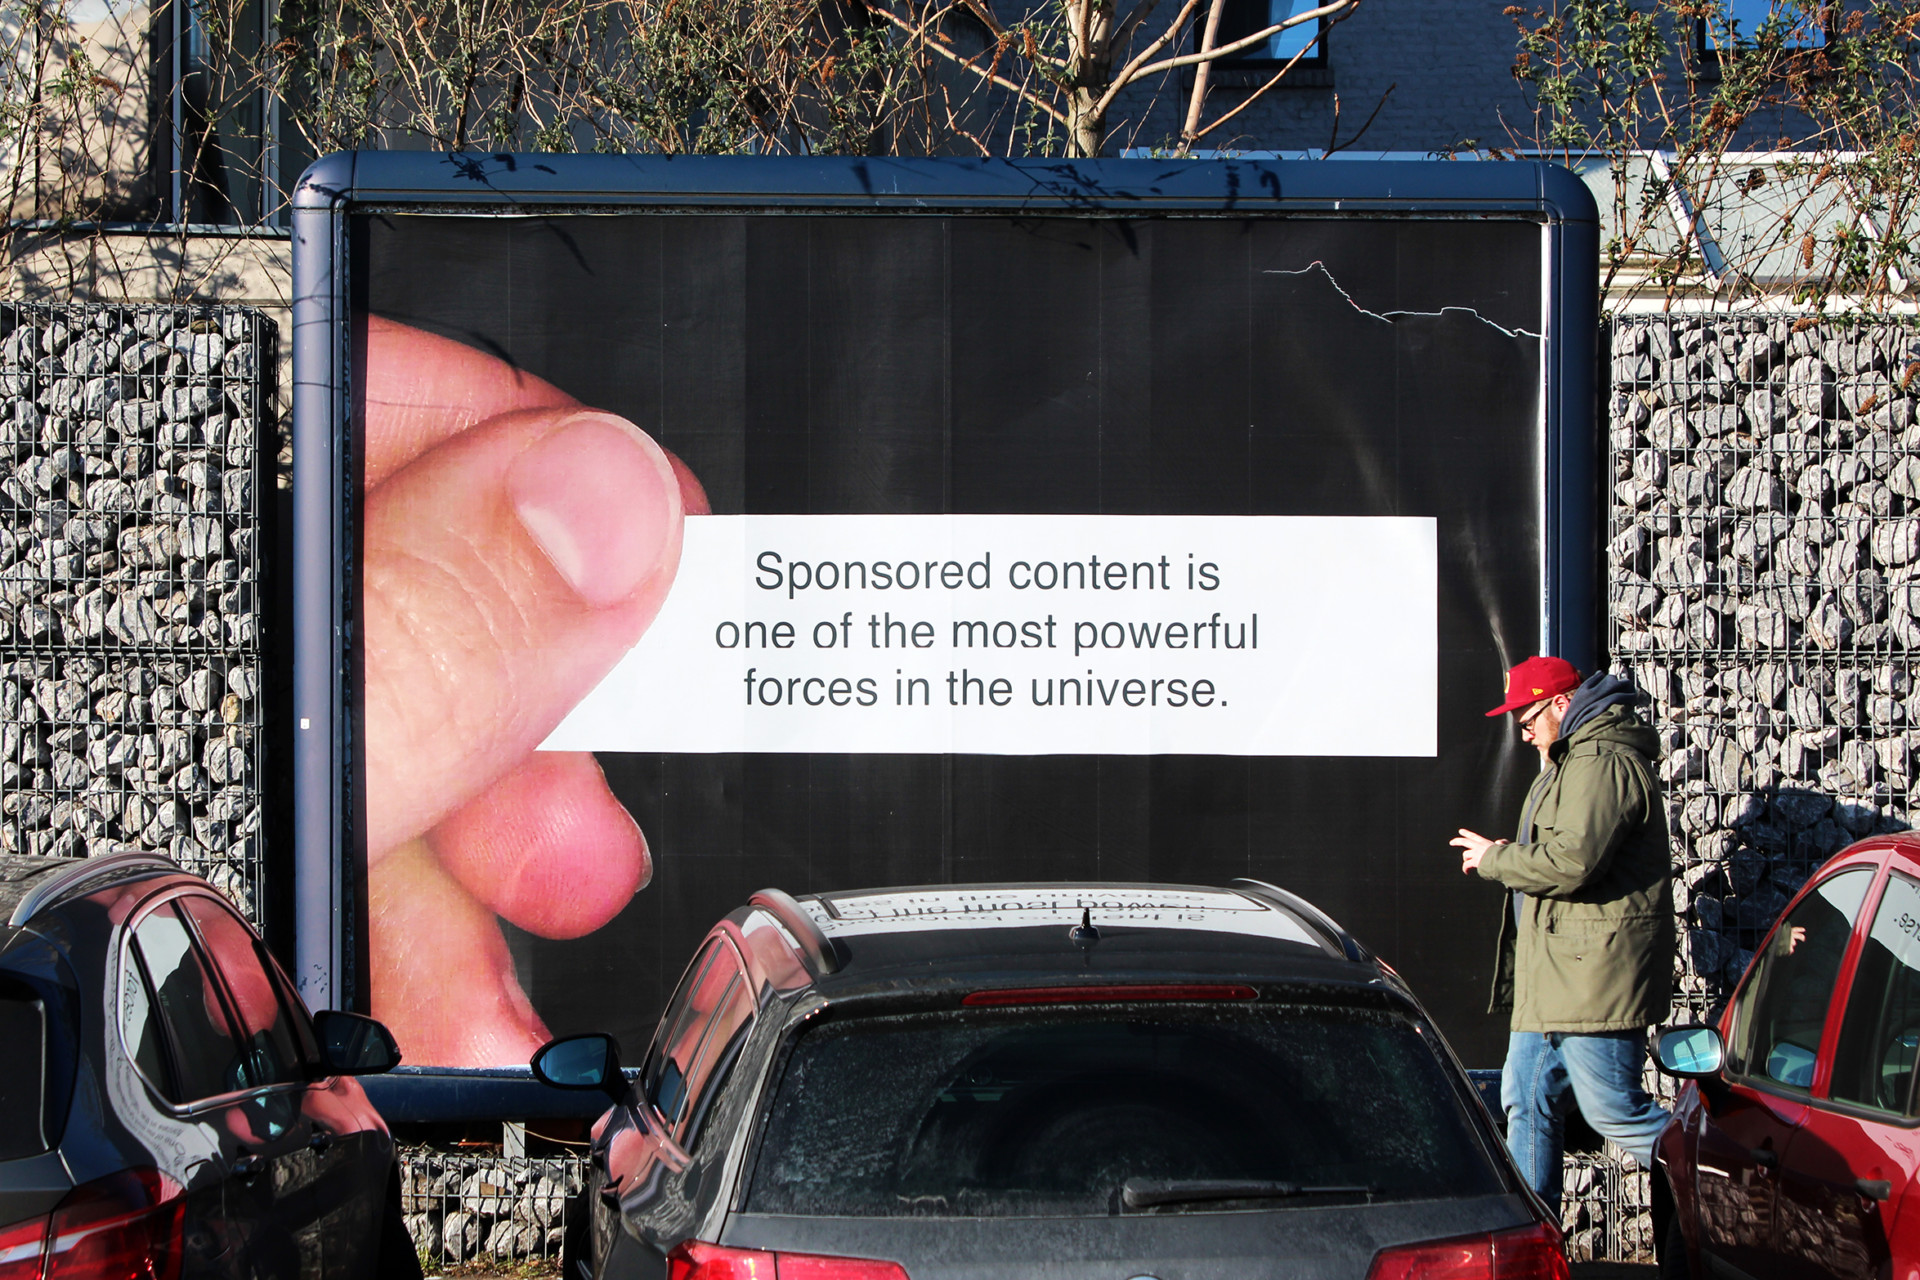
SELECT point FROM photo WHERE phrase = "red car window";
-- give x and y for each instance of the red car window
(724, 1033)
(190, 1032)
(1781, 1010)
(272, 1046)
(681, 1027)
(1880, 1034)
(140, 1030)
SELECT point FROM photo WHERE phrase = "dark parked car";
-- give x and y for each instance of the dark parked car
(1795, 1146)
(167, 1107)
(1102, 1081)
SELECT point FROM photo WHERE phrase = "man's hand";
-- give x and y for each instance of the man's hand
(516, 545)
(1472, 846)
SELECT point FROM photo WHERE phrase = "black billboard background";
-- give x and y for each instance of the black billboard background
(1221, 366)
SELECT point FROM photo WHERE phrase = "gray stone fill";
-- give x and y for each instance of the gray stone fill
(130, 623)
(1763, 569)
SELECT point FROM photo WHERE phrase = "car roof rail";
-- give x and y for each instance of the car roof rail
(83, 874)
(815, 947)
(1344, 942)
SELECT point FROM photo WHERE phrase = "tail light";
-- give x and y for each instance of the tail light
(1531, 1253)
(696, 1260)
(22, 1249)
(126, 1226)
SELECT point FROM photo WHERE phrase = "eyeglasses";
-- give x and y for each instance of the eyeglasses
(1526, 721)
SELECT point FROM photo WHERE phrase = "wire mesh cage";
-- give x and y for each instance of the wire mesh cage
(464, 1207)
(1606, 1210)
(130, 570)
(1763, 564)
(1764, 567)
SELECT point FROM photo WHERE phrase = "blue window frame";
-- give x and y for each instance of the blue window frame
(1740, 21)
(1244, 17)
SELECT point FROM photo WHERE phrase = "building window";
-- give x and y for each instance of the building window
(1242, 18)
(224, 164)
(1801, 26)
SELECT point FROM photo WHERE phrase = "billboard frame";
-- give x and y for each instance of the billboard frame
(341, 185)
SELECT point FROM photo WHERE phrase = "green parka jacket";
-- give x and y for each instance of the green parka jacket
(1593, 947)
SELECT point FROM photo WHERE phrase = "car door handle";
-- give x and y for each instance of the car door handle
(245, 1166)
(322, 1139)
(1764, 1157)
(1873, 1188)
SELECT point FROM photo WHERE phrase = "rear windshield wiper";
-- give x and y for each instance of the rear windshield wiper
(1145, 1193)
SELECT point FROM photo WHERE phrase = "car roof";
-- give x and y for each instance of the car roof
(924, 936)
(974, 908)
(30, 884)
(19, 873)
(1903, 845)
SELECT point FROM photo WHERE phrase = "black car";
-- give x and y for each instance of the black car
(1098, 1081)
(167, 1107)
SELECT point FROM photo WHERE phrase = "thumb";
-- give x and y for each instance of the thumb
(505, 571)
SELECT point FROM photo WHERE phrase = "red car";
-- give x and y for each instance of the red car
(1794, 1144)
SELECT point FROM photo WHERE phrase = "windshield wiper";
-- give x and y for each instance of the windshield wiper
(1145, 1193)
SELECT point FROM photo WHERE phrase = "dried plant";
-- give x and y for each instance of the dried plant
(1682, 104)
(1062, 67)
(200, 114)
(72, 138)
(665, 76)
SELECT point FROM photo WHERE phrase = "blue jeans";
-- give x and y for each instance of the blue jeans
(1548, 1073)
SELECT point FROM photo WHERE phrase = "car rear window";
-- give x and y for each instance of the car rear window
(1027, 1112)
(23, 1075)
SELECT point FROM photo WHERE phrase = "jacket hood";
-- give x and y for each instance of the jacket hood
(1602, 710)
(1616, 724)
(1596, 693)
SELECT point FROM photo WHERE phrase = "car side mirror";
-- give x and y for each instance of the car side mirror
(354, 1045)
(1692, 1053)
(580, 1062)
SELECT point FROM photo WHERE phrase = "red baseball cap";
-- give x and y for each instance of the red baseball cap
(1537, 678)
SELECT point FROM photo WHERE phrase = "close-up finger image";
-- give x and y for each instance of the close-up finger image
(506, 570)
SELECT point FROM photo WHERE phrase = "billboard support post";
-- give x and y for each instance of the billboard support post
(320, 413)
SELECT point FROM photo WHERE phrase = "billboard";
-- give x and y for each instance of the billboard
(670, 529)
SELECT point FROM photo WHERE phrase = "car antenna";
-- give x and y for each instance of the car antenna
(1084, 934)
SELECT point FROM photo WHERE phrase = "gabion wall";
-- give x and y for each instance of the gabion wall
(1763, 565)
(462, 1207)
(1765, 591)
(130, 549)
(1606, 1209)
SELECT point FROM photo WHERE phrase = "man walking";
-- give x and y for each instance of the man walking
(1585, 961)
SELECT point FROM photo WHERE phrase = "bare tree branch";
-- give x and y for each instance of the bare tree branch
(1027, 95)
(1131, 72)
(1272, 81)
(1198, 98)
(1251, 98)
(1136, 17)
(1371, 116)
(1245, 42)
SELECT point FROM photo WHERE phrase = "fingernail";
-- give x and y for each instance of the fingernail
(600, 499)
